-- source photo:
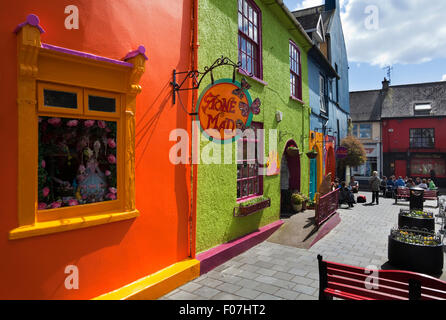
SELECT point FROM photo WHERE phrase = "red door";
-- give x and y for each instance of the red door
(400, 168)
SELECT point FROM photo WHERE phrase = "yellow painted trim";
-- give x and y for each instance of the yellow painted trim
(157, 284)
(54, 226)
(41, 86)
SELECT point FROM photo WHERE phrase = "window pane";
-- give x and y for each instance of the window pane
(245, 8)
(365, 131)
(104, 104)
(245, 26)
(255, 18)
(250, 31)
(61, 99)
(240, 5)
(249, 49)
(250, 14)
(240, 21)
(77, 162)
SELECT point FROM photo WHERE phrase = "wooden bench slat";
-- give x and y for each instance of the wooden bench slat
(363, 292)
(343, 295)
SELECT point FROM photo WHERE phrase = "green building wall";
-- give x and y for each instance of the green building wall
(217, 183)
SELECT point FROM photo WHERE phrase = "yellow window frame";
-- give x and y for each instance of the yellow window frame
(40, 67)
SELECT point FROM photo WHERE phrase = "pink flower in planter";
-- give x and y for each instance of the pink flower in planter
(73, 202)
(42, 206)
(107, 173)
(45, 192)
(43, 164)
(111, 143)
(72, 123)
(111, 159)
(101, 124)
(111, 196)
(89, 123)
(55, 205)
(55, 121)
(112, 190)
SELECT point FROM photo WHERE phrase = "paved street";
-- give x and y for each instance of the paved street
(272, 271)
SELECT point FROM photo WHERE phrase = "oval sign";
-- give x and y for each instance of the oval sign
(341, 152)
(219, 110)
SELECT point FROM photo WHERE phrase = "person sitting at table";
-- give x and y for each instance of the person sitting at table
(391, 185)
(400, 182)
(417, 181)
(423, 185)
(345, 195)
(383, 185)
(410, 183)
(353, 185)
(431, 184)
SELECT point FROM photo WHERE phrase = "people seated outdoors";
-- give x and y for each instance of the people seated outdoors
(335, 185)
(353, 185)
(400, 182)
(410, 183)
(391, 186)
(423, 185)
(417, 181)
(383, 185)
(345, 195)
(431, 185)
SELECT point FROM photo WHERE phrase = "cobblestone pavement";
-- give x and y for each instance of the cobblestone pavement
(272, 271)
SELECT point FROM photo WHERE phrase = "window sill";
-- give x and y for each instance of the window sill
(61, 225)
(297, 99)
(245, 73)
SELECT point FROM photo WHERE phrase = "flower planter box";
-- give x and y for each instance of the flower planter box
(415, 222)
(311, 155)
(244, 211)
(415, 257)
(292, 151)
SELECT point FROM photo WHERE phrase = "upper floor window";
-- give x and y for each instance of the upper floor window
(249, 35)
(362, 131)
(422, 109)
(323, 94)
(422, 138)
(295, 71)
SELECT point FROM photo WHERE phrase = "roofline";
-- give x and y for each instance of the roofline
(294, 20)
(403, 85)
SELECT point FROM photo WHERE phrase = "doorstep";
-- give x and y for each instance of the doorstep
(214, 257)
(158, 284)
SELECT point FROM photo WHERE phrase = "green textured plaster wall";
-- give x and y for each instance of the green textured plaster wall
(217, 183)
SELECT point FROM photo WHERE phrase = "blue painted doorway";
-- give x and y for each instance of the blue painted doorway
(313, 178)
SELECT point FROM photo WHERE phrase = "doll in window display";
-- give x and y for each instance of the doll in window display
(92, 183)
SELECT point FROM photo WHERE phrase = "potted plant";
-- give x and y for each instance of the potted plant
(310, 204)
(292, 151)
(305, 202)
(296, 201)
(253, 206)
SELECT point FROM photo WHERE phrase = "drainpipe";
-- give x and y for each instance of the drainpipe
(193, 147)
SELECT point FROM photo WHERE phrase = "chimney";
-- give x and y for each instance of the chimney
(385, 84)
(331, 5)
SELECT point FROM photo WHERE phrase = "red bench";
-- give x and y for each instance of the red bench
(353, 283)
(405, 193)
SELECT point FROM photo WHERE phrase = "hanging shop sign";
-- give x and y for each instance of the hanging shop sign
(224, 107)
(341, 152)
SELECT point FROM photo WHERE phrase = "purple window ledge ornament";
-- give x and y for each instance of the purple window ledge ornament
(32, 20)
(141, 50)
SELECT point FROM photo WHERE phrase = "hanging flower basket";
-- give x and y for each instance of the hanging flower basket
(312, 154)
(292, 151)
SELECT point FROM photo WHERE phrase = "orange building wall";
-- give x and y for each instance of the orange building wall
(111, 255)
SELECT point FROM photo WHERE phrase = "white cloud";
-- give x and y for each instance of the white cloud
(443, 78)
(307, 4)
(407, 31)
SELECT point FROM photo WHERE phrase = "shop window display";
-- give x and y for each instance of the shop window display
(77, 162)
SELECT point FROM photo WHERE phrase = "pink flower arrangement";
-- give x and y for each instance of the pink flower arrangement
(101, 124)
(42, 206)
(43, 164)
(111, 196)
(72, 123)
(45, 192)
(89, 123)
(73, 202)
(111, 143)
(55, 205)
(55, 121)
(112, 190)
(111, 159)
(107, 173)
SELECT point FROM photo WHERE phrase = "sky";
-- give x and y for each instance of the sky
(408, 35)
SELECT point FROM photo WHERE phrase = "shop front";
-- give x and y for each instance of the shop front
(364, 172)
